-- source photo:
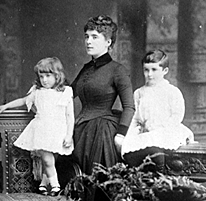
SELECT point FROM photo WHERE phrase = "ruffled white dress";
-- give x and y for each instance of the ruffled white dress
(160, 108)
(49, 126)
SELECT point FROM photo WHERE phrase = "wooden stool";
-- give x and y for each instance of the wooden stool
(16, 164)
(189, 160)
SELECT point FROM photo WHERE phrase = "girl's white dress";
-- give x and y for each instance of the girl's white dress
(49, 126)
(160, 108)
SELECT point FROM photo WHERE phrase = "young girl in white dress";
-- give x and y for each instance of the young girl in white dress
(160, 108)
(50, 132)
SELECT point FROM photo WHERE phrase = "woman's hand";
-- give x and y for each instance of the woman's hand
(118, 140)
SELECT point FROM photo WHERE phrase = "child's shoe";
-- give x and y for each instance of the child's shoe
(55, 191)
(43, 190)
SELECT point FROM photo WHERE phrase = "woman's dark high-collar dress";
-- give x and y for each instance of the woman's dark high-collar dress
(97, 85)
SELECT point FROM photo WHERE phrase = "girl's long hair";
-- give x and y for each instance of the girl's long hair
(51, 65)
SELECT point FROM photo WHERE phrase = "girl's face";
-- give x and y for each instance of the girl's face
(154, 73)
(96, 43)
(48, 80)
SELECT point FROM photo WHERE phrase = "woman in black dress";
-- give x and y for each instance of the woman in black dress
(99, 130)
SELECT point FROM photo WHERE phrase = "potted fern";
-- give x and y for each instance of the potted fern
(123, 183)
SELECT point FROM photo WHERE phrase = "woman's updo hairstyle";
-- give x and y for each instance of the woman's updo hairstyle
(156, 56)
(51, 65)
(103, 24)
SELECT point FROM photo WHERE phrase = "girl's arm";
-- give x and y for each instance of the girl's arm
(177, 107)
(136, 125)
(13, 104)
(70, 118)
(70, 123)
(136, 122)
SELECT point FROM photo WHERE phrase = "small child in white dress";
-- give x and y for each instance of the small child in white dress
(160, 108)
(50, 132)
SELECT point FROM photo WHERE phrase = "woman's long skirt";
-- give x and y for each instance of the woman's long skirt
(94, 143)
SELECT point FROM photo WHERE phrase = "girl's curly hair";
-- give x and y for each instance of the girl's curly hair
(51, 65)
(103, 24)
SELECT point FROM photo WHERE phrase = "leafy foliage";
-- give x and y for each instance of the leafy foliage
(121, 183)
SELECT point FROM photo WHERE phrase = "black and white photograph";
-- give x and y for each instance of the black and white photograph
(103, 100)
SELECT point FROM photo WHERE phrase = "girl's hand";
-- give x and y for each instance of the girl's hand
(138, 129)
(67, 142)
(118, 140)
(2, 108)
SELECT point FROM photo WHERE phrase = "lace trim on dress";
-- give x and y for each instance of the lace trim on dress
(30, 97)
(66, 97)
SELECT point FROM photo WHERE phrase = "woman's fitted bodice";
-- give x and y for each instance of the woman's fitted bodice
(98, 85)
(96, 91)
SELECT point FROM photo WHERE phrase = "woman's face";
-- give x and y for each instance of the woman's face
(96, 44)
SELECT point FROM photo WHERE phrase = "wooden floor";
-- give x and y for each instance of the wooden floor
(29, 197)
